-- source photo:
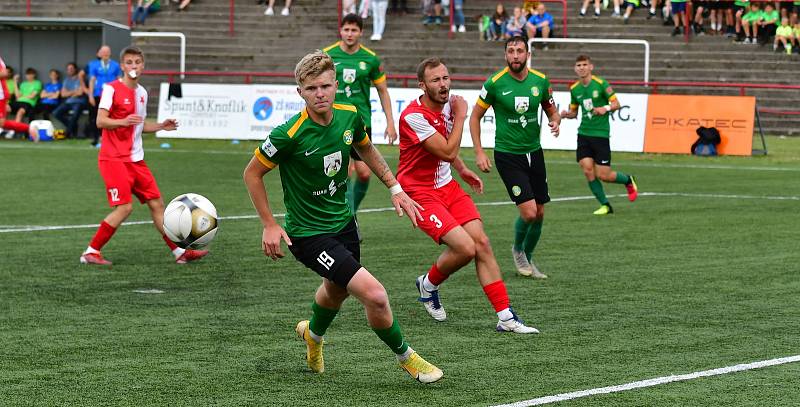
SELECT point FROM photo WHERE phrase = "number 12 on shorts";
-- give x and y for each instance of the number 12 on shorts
(114, 193)
(326, 260)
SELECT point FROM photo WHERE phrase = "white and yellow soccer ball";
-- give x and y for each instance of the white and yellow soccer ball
(190, 220)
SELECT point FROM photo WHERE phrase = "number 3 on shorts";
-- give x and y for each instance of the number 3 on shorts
(326, 260)
(436, 221)
(114, 192)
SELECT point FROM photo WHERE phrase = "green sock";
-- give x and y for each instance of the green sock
(393, 337)
(349, 194)
(520, 231)
(597, 190)
(622, 178)
(321, 318)
(359, 192)
(534, 233)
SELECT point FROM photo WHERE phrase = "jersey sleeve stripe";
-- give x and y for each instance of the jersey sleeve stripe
(482, 104)
(381, 79)
(364, 142)
(330, 47)
(573, 106)
(369, 51)
(298, 123)
(264, 160)
(499, 75)
(574, 85)
(596, 79)
(537, 73)
(342, 106)
(612, 97)
(420, 125)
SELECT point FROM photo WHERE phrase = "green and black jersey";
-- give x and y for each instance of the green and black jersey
(516, 109)
(597, 93)
(356, 73)
(313, 161)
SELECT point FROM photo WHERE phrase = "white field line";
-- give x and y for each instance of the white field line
(653, 382)
(32, 228)
(389, 156)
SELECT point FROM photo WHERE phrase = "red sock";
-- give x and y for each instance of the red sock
(170, 243)
(497, 294)
(103, 235)
(435, 276)
(16, 126)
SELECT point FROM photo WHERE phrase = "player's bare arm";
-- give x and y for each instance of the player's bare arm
(447, 148)
(572, 113)
(386, 104)
(105, 122)
(481, 159)
(469, 176)
(273, 232)
(401, 201)
(168, 125)
(554, 118)
(612, 105)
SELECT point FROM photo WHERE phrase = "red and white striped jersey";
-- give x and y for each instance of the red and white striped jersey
(417, 167)
(123, 143)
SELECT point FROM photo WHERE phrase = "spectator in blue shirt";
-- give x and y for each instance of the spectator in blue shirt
(540, 24)
(99, 72)
(50, 95)
(70, 110)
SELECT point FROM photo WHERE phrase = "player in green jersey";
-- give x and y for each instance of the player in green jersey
(515, 94)
(358, 68)
(597, 100)
(312, 149)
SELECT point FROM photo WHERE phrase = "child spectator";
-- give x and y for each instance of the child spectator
(499, 21)
(630, 5)
(143, 9)
(12, 83)
(516, 24)
(586, 4)
(485, 27)
(28, 95)
(50, 95)
(796, 37)
(69, 111)
(750, 23)
(701, 8)
(784, 36)
(285, 12)
(738, 11)
(540, 24)
(678, 11)
(769, 22)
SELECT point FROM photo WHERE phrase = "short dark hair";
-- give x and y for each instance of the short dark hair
(31, 71)
(582, 58)
(74, 65)
(131, 50)
(353, 19)
(517, 38)
(58, 74)
(425, 64)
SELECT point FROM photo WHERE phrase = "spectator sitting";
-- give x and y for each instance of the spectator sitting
(143, 9)
(50, 95)
(796, 37)
(70, 110)
(540, 24)
(586, 4)
(769, 22)
(750, 23)
(184, 4)
(28, 95)
(13, 89)
(678, 11)
(484, 27)
(738, 11)
(516, 24)
(433, 11)
(529, 8)
(630, 5)
(784, 36)
(499, 20)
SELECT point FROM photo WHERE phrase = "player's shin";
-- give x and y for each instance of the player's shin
(520, 232)
(393, 338)
(359, 192)
(321, 319)
(532, 238)
(498, 295)
(101, 237)
(597, 190)
(622, 178)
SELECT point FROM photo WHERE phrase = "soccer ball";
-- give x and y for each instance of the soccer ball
(41, 130)
(190, 220)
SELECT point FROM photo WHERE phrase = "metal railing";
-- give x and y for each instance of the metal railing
(178, 35)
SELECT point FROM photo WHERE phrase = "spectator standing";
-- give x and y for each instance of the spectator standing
(28, 95)
(70, 110)
(99, 72)
(50, 95)
(586, 4)
(143, 9)
(458, 16)
(540, 24)
(499, 21)
(285, 12)
(783, 35)
(750, 22)
(378, 18)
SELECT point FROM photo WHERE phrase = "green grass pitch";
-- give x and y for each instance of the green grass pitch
(701, 274)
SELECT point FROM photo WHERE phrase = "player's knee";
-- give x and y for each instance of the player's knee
(529, 216)
(377, 299)
(482, 245)
(363, 177)
(124, 209)
(466, 250)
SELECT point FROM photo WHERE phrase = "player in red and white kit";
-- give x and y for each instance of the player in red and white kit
(430, 138)
(122, 110)
(7, 124)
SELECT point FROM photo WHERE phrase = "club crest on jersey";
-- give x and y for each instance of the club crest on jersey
(268, 148)
(595, 94)
(332, 163)
(349, 75)
(535, 91)
(521, 104)
(362, 65)
(516, 190)
(347, 137)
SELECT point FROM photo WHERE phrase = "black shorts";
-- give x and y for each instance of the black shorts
(737, 9)
(335, 256)
(596, 148)
(353, 153)
(524, 176)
